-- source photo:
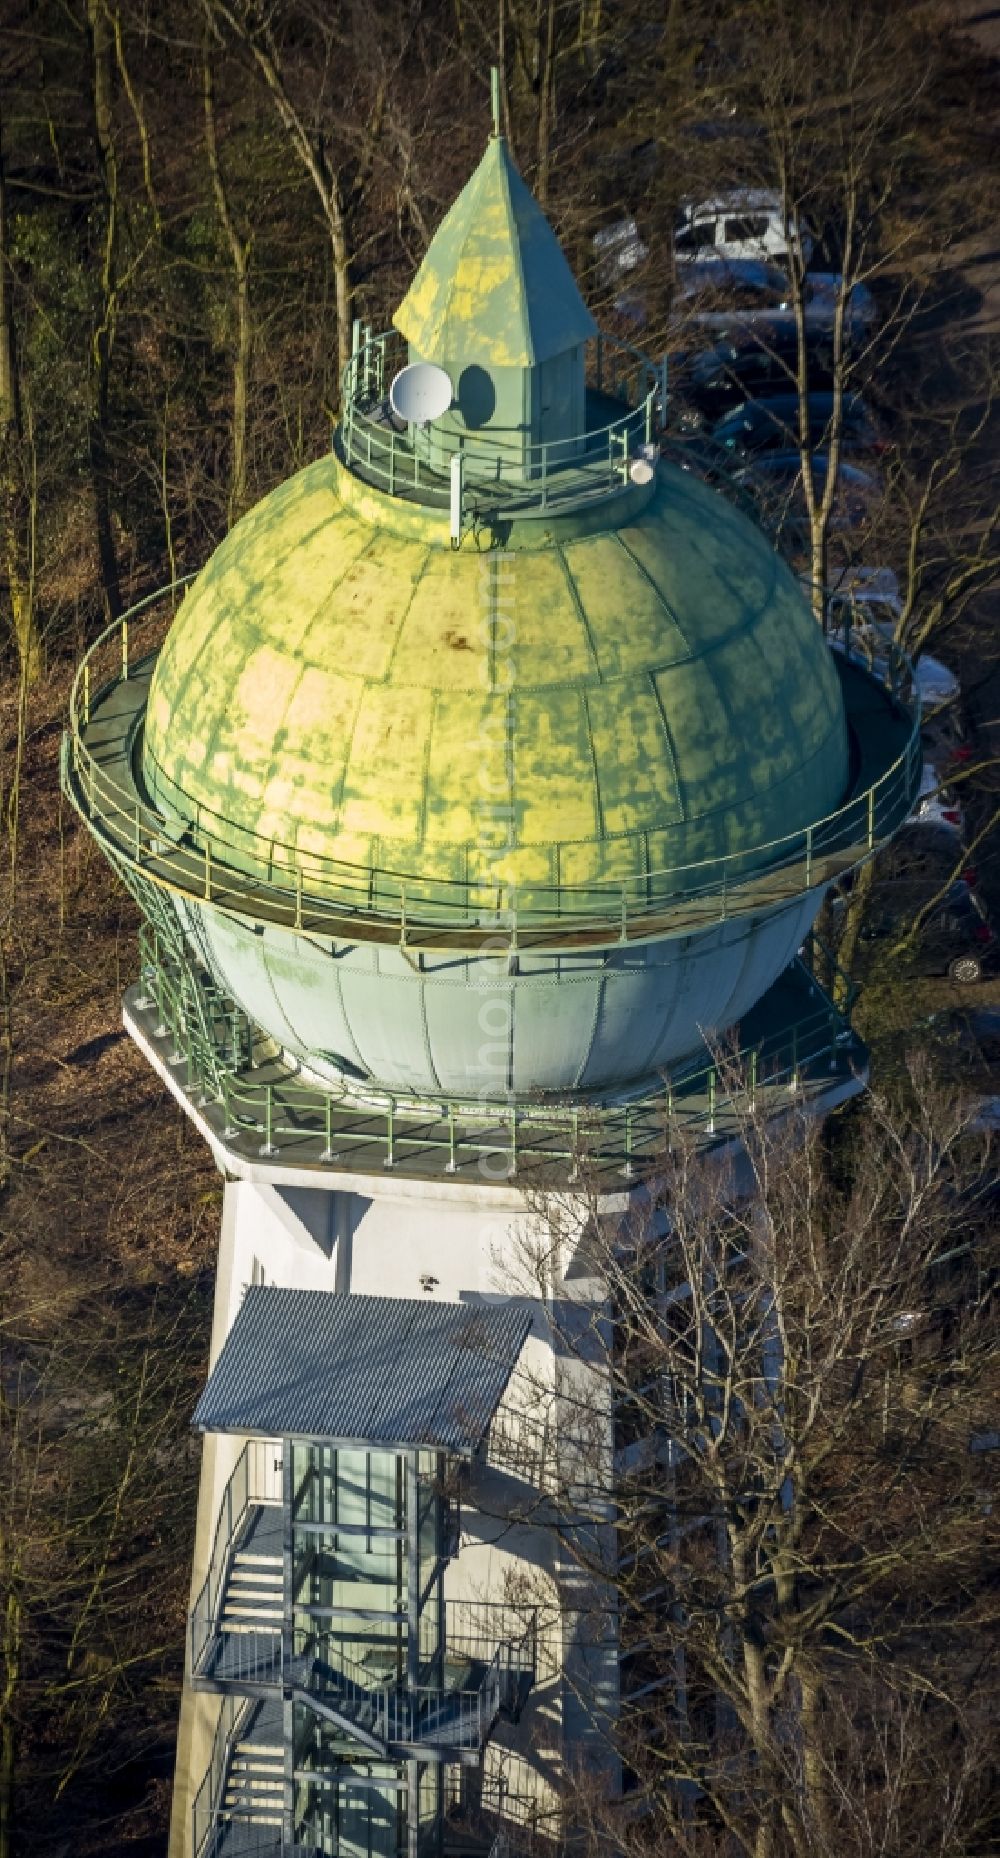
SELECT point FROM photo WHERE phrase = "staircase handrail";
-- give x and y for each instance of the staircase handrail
(207, 1800)
(400, 1713)
(242, 1493)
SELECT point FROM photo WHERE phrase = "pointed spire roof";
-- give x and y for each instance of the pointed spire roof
(494, 287)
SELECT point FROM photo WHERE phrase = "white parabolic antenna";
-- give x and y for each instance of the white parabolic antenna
(420, 393)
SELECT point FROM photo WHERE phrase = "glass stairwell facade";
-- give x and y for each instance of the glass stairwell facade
(349, 1684)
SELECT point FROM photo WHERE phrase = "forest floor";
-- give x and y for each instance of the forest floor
(108, 1229)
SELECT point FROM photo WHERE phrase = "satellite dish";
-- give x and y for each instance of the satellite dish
(420, 393)
(642, 471)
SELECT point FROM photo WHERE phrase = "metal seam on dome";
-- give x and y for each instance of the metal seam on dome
(432, 1069)
(344, 1016)
(404, 615)
(574, 594)
(338, 795)
(279, 736)
(602, 832)
(667, 605)
(680, 793)
(588, 1053)
(425, 772)
(269, 977)
(257, 634)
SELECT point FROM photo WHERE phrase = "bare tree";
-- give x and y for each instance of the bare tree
(799, 1343)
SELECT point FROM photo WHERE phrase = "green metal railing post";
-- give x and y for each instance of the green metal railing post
(86, 692)
(268, 1148)
(871, 818)
(513, 1138)
(208, 870)
(794, 1083)
(710, 1124)
(125, 650)
(298, 896)
(389, 1159)
(327, 1154)
(451, 1165)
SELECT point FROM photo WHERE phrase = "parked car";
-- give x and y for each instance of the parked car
(936, 807)
(748, 222)
(772, 424)
(957, 937)
(775, 481)
(724, 376)
(732, 296)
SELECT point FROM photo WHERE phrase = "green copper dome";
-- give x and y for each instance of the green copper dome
(474, 766)
(629, 692)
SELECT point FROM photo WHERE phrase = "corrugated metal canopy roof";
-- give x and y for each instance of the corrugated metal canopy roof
(383, 1371)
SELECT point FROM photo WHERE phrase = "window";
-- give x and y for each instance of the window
(751, 226)
(694, 238)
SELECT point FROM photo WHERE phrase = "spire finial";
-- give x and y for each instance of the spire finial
(495, 98)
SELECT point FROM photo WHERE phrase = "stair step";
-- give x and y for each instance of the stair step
(246, 1557)
(247, 1767)
(254, 1603)
(250, 1750)
(262, 1791)
(255, 1574)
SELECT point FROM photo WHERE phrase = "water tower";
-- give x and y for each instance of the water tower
(490, 773)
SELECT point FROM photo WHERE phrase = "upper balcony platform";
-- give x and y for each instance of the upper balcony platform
(625, 396)
(208, 861)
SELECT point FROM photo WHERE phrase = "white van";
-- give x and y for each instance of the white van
(748, 223)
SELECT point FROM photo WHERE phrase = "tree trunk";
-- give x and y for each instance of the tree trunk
(546, 100)
(14, 520)
(103, 336)
(239, 250)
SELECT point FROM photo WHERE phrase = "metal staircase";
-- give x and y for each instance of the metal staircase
(252, 1597)
(255, 1778)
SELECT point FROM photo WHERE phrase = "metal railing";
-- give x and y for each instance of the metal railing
(395, 1715)
(218, 1831)
(501, 471)
(267, 1105)
(207, 1801)
(210, 860)
(523, 1446)
(255, 1480)
(478, 1628)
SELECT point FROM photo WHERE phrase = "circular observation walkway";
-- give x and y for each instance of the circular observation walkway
(206, 860)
